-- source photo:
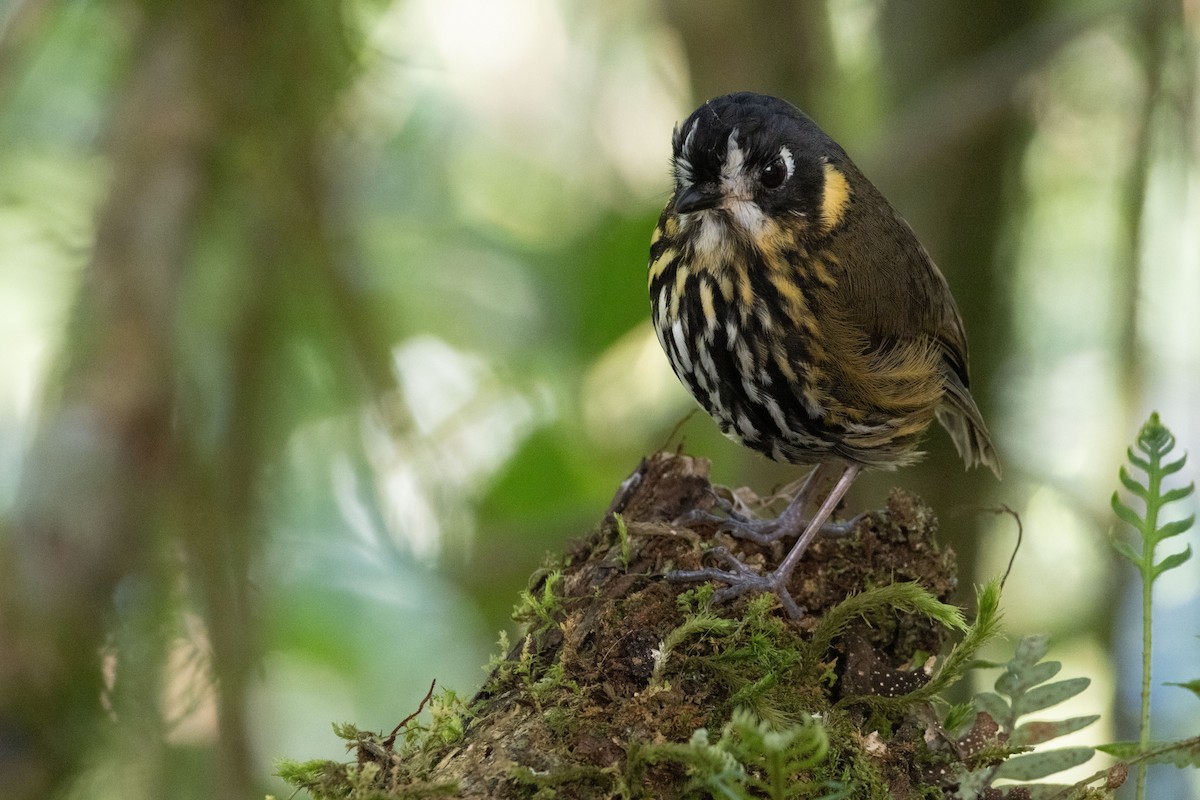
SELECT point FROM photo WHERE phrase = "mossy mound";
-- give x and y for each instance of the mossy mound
(619, 670)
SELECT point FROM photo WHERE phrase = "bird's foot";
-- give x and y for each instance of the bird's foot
(739, 579)
(764, 531)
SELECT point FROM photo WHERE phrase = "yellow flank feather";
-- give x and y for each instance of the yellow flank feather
(902, 383)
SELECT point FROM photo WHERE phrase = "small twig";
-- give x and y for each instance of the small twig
(1005, 509)
(675, 431)
(390, 741)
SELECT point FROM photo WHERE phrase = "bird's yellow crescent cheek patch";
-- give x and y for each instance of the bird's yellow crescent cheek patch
(834, 198)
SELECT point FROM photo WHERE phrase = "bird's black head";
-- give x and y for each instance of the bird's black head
(750, 158)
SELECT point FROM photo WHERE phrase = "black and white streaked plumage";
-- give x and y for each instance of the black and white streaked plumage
(798, 307)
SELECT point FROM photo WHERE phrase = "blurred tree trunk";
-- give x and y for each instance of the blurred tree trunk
(954, 147)
(778, 47)
(1167, 56)
(100, 467)
(211, 251)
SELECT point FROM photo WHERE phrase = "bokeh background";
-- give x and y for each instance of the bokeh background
(322, 322)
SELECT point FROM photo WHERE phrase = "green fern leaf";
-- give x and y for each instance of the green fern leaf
(1031, 766)
(1182, 753)
(1178, 493)
(1132, 485)
(993, 705)
(1172, 467)
(1125, 549)
(1040, 672)
(1155, 440)
(1174, 528)
(1138, 462)
(1191, 686)
(1031, 733)
(1126, 513)
(1172, 561)
(1021, 676)
(1051, 694)
(1051, 791)
(1031, 649)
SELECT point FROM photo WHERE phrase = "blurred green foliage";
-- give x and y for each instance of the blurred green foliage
(410, 354)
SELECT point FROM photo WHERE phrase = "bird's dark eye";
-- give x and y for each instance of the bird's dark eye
(773, 174)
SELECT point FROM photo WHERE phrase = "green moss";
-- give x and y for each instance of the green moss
(541, 608)
(623, 541)
(754, 758)
(330, 780)
(570, 774)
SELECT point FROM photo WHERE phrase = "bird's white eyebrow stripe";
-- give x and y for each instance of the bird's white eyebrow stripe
(683, 170)
(788, 162)
(734, 157)
(687, 140)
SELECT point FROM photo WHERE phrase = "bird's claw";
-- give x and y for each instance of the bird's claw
(728, 511)
(844, 528)
(736, 524)
(739, 579)
(763, 531)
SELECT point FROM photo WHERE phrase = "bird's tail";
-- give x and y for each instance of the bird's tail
(959, 415)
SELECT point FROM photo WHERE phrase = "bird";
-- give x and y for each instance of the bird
(801, 312)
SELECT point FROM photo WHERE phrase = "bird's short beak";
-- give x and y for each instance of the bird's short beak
(696, 198)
